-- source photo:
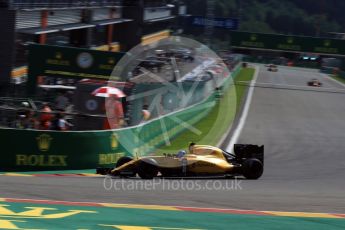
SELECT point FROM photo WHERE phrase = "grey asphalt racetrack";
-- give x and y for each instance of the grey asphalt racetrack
(304, 136)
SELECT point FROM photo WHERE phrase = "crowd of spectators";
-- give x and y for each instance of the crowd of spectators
(46, 118)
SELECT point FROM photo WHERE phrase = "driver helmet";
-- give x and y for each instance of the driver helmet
(181, 153)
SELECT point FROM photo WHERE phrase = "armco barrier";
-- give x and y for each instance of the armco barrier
(53, 150)
(44, 150)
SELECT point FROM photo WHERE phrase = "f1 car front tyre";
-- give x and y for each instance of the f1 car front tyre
(123, 160)
(252, 168)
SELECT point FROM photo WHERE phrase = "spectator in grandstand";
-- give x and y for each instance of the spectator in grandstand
(114, 112)
(68, 112)
(60, 123)
(30, 121)
(61, 101)
(25, 119)
(19, 122)
(146, 113)
(46, 117)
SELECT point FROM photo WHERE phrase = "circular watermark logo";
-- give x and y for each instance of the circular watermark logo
(175, 86)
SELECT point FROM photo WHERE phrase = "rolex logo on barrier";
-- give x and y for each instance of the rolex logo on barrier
(253, 37)
(58, 55)
(111, 61)
(327, 43)
(44, 141)
(113, 141)
(290, 40)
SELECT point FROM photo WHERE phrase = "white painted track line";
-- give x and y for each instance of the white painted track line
(332, 79)
(242, 120)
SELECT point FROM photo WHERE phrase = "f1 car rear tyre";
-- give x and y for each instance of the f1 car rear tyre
(147, 170)
(123, 160)
(247, 151)
(252, 168)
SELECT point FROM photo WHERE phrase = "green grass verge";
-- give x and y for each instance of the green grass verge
(246, 74)
(342, 80)
(218, 120)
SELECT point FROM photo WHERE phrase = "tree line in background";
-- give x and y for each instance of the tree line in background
(298, 17)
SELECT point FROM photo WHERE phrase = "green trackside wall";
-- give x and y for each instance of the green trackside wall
(288, 43)
(23, 150)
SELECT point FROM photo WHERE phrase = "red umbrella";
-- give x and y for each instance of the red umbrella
(107, 91)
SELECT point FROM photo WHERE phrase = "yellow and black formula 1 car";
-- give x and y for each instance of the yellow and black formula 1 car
(202, 160)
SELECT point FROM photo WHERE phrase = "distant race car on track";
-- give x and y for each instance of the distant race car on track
(202, 160)
(272, 68)
(315, 83)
